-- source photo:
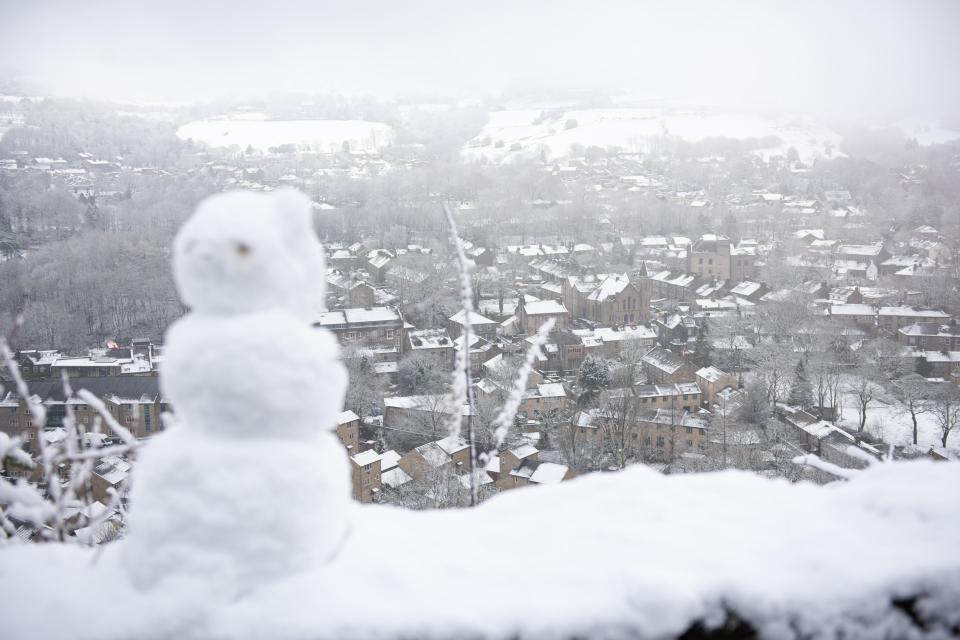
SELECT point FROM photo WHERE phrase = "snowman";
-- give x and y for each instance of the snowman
(248, 483)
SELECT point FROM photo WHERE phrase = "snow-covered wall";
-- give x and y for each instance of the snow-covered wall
(241, 524)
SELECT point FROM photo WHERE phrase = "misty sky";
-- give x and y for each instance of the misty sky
(847, 57)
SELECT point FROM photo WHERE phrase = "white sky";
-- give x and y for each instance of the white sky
(850, 57)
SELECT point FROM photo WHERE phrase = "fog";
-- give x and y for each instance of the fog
(838, 58)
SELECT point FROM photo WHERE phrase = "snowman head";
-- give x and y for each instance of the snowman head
(244, 252)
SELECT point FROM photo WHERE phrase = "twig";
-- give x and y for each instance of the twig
(461, 391)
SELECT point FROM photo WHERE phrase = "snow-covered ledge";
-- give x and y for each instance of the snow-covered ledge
(241, 526)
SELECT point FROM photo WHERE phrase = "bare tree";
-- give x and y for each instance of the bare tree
(945, 407)
(865, 390)
(913, 390)
(616, 418)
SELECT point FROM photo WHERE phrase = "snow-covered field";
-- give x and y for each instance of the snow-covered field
(889, 419)
(325, 136)
(530, 132)
(926, 133)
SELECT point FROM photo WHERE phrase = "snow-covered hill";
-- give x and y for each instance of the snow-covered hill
(531, 132)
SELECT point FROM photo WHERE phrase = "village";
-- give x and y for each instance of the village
(711, 308)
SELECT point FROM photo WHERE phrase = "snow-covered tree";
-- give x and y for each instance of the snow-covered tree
(595, 376)
(801, 392)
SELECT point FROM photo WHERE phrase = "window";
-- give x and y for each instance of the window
(689, 429)
(689, 442)
(660, 442)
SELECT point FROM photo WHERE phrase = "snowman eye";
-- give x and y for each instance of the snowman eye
(242, 249)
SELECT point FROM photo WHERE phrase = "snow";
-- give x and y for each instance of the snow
(525, 134)
(365, 457)
(610, 287)
(549, 473)
(889, 419)
(544, 307)
(241, 526)
(615, 581)
(325, 136)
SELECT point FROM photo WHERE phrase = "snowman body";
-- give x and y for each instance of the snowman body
(249, 483)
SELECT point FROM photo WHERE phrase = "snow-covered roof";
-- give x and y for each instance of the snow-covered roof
(475, 318)
(852, 310)
(544, 307)
(365, 457)
(429, 339)
(451, 445)
(711, 374)
(359, 315)
(345, 417)
(549, 473)
(395, 477)
(746, 288)
(524, 451)
(904, 311)
(609, 288)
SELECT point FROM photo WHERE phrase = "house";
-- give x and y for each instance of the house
(542, 399)
(685, 396)
(709, 256)
(860, 315)
(365, 475)
(434, 345)
(35, 364)
(109, 475)
(616, 301)
(828, 441)
(943, 364)
(930, 336)
(751, 291)
(134, 402)
(367, 327)
(743, 262)
(448, 452)
(662, 366)
(712, 381)
(348, 431)
(864, 253)
(893, 318)
(481, 352)
(611, 342)
(479, 325)
(668, 433)
(511, 461)
(574, 291)
(350, 291)
(378, 262)
(531, 315)
(676, 331)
